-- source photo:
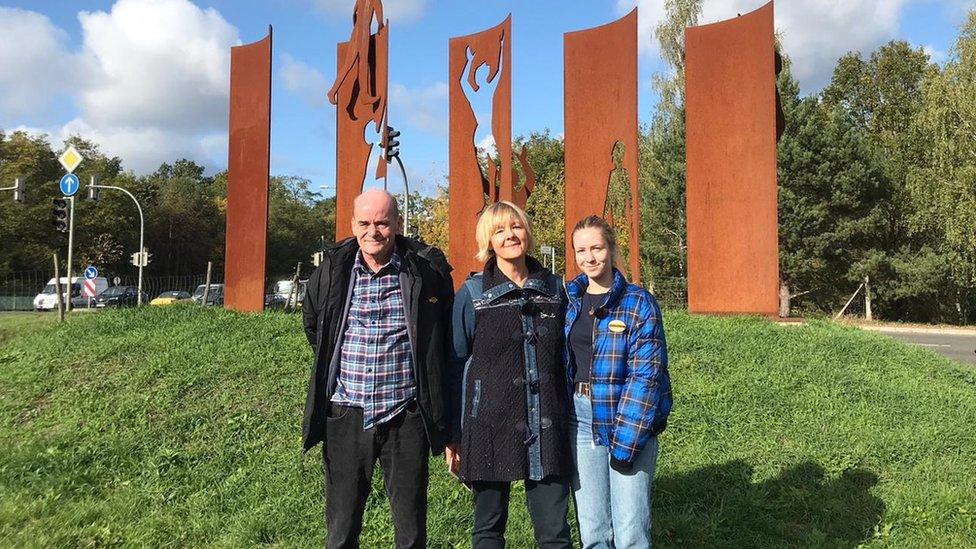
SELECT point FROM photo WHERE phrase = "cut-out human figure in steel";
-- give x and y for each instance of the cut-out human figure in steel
(473, 183)
(618, 209)
(484, 65)
(360, 94)
(357, 58)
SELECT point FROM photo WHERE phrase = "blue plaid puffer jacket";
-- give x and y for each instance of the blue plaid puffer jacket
(630, 385)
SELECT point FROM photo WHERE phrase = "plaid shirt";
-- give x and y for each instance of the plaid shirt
(376, 369)
(630, 386)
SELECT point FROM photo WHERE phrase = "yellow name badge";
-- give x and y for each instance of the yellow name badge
(617, 326)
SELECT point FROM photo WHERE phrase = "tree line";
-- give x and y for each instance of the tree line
(184, 213)
(877, 178)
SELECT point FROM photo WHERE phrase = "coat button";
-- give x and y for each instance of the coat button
(546, 423)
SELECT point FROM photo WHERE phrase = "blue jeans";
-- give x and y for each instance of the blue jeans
(613, 509)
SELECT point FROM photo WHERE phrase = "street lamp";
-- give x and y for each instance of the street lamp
(143, 256)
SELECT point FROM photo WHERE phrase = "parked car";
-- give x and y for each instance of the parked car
(214, 297)
(83, 301)
(284, 294)
(47, 299)
(168, 298)
(120, 296)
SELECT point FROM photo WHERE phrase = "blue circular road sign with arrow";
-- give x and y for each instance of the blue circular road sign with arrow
(91, 272)
(70, 184)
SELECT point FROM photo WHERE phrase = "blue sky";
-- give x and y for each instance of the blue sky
(147, 79)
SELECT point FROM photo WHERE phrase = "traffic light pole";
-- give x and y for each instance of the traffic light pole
(142, 233)
(71, 241)
(406, 197)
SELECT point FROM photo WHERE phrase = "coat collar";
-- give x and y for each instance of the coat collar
(498, 285)
(577, 287)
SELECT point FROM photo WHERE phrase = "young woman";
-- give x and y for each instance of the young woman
(621, 392)
(513, 412)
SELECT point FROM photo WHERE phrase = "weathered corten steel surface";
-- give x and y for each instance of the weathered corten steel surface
(469, 187)
(600, 102)
(360, 96)
(248, 167)
(731, 117)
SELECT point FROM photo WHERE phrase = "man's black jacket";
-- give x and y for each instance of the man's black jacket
(425, 281)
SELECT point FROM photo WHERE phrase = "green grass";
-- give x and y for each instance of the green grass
(178, 426)
(15, 324)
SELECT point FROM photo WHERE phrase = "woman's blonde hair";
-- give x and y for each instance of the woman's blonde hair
(609, 236)
(497, 215)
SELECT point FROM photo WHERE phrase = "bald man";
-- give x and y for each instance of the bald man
(377, 313)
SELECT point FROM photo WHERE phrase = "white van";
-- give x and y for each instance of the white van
(48, 298)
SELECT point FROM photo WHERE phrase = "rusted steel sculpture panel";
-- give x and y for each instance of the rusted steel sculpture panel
(731, 117)
(470, 187)
(360, 95)
(600, 102)
(248, 167)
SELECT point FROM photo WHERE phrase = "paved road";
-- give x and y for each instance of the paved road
(955, 346)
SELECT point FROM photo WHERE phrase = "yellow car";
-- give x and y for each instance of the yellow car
(168, 298)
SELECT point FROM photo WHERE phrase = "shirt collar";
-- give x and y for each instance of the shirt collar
(359, 266)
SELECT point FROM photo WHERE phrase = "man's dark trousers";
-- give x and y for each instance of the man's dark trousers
(350, 454)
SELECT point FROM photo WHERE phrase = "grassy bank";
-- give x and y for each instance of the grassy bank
(180, 426)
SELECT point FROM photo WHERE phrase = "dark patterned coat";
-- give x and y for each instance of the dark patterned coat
(513, 409)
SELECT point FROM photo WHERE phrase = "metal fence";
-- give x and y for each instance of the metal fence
(671, 292)
(17, 290)
(155, 285)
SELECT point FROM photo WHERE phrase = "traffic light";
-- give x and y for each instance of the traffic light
(60, 212)
(141, 259)
(390, 144)
(93, 191)
(19, 190)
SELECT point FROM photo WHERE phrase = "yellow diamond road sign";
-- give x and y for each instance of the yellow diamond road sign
(70, 159)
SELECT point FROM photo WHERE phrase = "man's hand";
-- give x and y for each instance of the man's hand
(452, 455)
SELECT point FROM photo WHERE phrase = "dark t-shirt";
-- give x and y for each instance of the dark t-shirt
(581, 336)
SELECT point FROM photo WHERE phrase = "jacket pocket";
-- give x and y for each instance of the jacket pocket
(476, 398)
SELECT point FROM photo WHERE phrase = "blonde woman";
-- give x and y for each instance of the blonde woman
(618, 361)
(512, 417)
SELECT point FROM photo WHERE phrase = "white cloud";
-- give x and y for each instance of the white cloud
(398, 11)
(153, 80)
(304, 81)
(935, 55)
(487, 145)
(424, 108)
(815, 33)
(33, 62)
(158, 63)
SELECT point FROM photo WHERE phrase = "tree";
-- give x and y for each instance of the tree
(29, 224)
(880, 98)
(831, 204)
(942, 186)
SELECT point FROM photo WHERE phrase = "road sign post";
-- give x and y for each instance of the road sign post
(70, 159)
(71, 241)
